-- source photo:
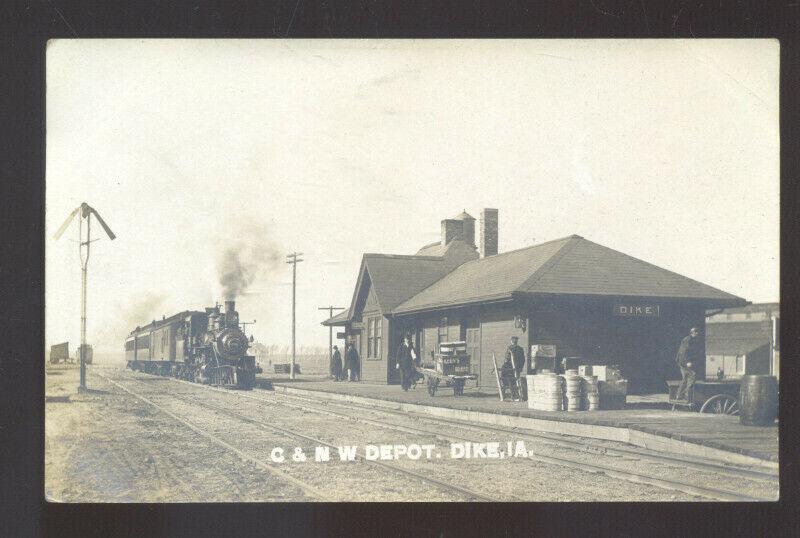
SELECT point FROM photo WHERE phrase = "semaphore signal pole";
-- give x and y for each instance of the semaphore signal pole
(86, 212)
(293, 259)
(330, 310)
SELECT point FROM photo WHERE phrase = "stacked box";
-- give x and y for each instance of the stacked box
(613, 394)
(571, 363)
(452, 364)
(452, 348)
(543, 357)
(606, 373)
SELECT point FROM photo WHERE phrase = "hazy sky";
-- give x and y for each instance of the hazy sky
(665, 150)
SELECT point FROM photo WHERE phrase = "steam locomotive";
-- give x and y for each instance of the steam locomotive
(204, 347)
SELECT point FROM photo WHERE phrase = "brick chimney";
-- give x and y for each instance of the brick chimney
(451, 229)
(488, 232)
(468, 224)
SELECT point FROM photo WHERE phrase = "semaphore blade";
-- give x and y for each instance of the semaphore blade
(103, 224)
(66, 223)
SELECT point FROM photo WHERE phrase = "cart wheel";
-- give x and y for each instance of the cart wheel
(721, 404)
(432, 383)
(458, 388)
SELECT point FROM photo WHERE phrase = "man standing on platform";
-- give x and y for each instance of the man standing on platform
(336, 366)
(517, 356)
(405, 363)
(351, 363)
(508, 378)
(688, 353)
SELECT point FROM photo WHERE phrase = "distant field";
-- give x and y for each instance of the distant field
(314, 361)
(309, 364)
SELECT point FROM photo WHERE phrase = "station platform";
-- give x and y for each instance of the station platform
(647, 421)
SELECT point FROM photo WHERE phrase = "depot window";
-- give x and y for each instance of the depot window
(442, 330)
(374, 337)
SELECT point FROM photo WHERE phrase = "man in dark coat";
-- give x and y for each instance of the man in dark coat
(516, 355)
(508, 378)
(351, 363)
(336, 364)
(405, 363)
(688, 353)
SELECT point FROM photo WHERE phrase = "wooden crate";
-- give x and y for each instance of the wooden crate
(613, 394)
(452, 364)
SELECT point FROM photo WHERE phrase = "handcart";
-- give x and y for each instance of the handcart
(719, 397)
(450, 367)
(433, 379)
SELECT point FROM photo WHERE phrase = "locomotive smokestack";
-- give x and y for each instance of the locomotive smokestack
(230, 307)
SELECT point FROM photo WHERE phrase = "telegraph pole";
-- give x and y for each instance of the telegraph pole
(330, 310)
(293, 259)
(244, 325)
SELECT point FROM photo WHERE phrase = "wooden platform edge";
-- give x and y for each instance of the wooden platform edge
(623, 434)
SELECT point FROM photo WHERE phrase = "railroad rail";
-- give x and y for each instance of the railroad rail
(626, 475)
(683, 461)
(306, 488)
(446, 486)
(630, 476)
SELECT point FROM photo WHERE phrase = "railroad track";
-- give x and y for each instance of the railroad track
(630, 476)
(692, 463)
(446, 486)
(306, 488)
(322, 407)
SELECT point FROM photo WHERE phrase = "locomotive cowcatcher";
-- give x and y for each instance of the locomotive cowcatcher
(205, 347)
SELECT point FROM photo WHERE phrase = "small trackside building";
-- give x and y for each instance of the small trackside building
(588, 300)
(743, 341)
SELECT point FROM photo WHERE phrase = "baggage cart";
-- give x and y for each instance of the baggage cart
(450, 368)
(719, 397)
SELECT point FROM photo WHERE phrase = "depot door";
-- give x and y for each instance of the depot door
(473, 338)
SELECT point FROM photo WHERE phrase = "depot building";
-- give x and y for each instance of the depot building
(594, 304)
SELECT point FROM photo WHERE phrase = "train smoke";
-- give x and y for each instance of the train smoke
(145, 308)
(246, 257)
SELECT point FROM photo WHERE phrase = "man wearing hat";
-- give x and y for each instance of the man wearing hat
(336, 366)
(516, 354)
(351, 363)
(406, 357)
(688, 353)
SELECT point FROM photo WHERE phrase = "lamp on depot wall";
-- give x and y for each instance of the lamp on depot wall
(520, 322)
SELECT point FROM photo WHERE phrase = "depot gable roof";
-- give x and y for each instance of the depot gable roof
(571, 265)
(396, 278)
(339, 319)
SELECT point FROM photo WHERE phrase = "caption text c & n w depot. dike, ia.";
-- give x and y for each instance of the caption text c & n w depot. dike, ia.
(413, 452)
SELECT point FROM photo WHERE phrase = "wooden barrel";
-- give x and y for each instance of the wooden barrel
(545, 392)
(590, 397)
(758, 400)
(572, 391)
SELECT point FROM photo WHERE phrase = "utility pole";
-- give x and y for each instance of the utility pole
(86, 212)
(293, 259)
(330, 310)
